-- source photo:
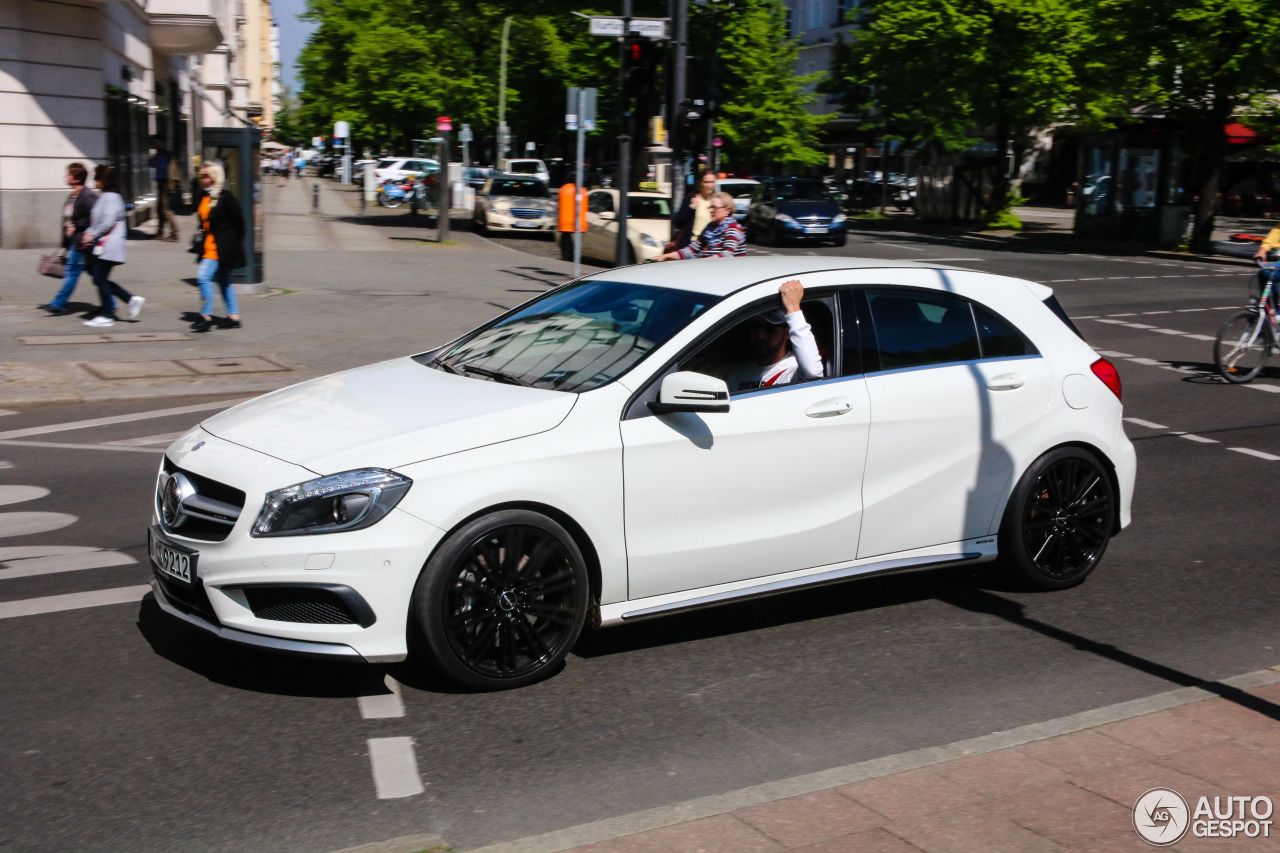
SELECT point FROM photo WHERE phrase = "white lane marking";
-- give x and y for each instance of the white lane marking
(1202, 337)
(933, 260)
(899, 245)
(1057, 280)
(1274, 389)
(67, 446)
(395, 767)
(384, 705)
(1258, 453)
(1148, 424)
(26, 523)
(163, 438)
(1139, 326)
(1087, 317)
(1190, 310)
(72, 601)
(1113, 322)
(19, 494)
(1199, 438)
(68, 563)
(1225, 308)
(1113, 354)
(4, 412)
(1157, 312)
(1145, 276)
(5, 466)
(26, 552)
(1130, 314)
(1151, 362)
(1092, 279)
(1168, 331)
(121, 419)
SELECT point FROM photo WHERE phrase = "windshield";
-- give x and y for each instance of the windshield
(578, 338)
(522, 189)
(386, 164)
(648, 208)
(738, 190)
(528, 167)
(803, 191)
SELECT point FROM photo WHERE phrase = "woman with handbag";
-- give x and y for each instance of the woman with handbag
(221, 249)
(75, 218)
(105, 239)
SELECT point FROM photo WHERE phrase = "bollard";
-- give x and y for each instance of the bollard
(362, 201)
(315, 197)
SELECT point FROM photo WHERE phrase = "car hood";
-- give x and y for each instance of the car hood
(387, 415)
(808, 208)
(524, 201)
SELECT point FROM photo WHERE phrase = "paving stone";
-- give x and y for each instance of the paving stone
(135, 369)
(236, 364)
(810, 818)
(1231, 717)
(719, 834)
(1162, 733)
(916, 792)
(871, 841)
(1067, 814)
(998, 774)
(973, 829)
(1232, 767)
(1085, 752)
(1124, 785)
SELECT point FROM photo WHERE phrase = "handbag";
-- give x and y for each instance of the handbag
(197, 242)
(53, 265)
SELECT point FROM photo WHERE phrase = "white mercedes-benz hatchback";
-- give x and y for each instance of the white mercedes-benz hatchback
(581, 458)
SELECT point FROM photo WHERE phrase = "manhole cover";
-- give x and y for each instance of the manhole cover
(238, 364)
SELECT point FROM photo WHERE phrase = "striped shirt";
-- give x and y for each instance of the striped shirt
(724, 240)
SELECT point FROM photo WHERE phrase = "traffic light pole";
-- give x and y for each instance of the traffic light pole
(623, 246)
(679, 83)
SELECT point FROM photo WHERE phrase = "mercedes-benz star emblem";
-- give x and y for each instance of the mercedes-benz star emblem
(175, 490)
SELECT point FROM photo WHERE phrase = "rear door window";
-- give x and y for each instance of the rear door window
(999, 337)
(922, 328)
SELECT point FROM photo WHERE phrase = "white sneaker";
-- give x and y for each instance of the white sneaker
(100, 322)
(135, 306)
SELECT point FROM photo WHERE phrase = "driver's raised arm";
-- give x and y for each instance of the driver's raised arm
(803, 344)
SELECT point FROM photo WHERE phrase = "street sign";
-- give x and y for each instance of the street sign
(465, 135)
(588, 114)
(341, 129)
(717, 142)
(649, 28)
(571, 109)
(444, 123)
(317, 141)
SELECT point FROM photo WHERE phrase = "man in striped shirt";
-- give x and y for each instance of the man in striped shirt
(722, 238)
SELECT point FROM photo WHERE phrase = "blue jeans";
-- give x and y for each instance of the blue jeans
(206, 274)
(70, 277)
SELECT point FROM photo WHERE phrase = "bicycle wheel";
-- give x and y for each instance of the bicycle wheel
(1242, 346)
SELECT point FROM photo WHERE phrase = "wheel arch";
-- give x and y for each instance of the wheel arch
(1108, 467)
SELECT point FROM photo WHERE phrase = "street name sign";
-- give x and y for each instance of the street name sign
(649, 28)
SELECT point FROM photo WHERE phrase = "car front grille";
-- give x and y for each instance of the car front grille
(527, 213)
(209, 514)
(312, 605)
(814, 220)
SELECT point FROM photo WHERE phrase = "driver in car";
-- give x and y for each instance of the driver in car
(781, 345)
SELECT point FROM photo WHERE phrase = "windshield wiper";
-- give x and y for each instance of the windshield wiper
(497, 376)
(446, 367)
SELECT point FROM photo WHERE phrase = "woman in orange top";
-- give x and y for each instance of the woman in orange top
(222, 222)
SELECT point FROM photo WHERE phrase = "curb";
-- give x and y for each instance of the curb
(1206, 259)
(610, 828)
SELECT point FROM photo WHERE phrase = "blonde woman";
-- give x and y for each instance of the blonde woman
(722, 238)
(694, 214)
(222, 223)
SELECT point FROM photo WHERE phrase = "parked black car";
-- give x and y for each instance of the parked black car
(795, 209)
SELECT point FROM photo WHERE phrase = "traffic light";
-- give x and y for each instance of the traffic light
(642, 60)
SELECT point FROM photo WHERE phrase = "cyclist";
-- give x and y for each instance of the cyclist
(1272, 241)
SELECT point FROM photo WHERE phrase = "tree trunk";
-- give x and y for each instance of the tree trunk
(1211, 168)
(1000, 186)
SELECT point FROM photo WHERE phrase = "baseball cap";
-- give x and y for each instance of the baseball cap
(774, 316)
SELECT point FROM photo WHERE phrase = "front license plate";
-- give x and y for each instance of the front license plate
(815, 229)
(177, 563)
(526, 224)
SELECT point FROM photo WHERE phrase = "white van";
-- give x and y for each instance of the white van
(533, 168)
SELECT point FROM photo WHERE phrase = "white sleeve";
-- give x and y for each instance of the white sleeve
(804, 346)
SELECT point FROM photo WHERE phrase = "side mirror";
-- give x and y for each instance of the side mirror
(608, 215)
(686, 391)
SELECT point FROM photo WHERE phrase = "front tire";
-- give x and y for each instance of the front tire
(1058, 521)
(502, 601)
(1242, 346)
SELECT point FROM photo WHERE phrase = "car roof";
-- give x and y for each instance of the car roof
(730, 276)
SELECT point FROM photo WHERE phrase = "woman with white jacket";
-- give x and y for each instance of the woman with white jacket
(104, 242)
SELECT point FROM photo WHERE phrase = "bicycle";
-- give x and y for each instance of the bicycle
(1247, 337)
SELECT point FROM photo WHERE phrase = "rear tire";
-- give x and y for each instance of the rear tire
(1241, 348)
(1058, 521)
(501, 602)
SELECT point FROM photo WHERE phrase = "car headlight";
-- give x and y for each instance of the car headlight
(500, 208)
(838, 218)
(784, 219)
(351, 500)
(649, 241)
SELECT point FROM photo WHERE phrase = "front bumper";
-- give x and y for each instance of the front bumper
(798, 232)
(507, 222)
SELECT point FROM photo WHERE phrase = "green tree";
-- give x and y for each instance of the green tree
(936, 73)
(762, 114)
(1206, 61)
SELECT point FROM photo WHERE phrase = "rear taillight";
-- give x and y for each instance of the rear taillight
(1106, 371)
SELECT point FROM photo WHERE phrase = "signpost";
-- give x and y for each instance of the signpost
(342, 133)
(649, 28)
(580, 115)
(444, 124)
(465, 136)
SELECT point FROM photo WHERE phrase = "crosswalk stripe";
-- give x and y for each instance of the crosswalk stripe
(72, 601)
(64, 563)
(120, 419)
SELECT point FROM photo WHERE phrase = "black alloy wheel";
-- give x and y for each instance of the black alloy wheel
(502, 601)
(1059, 520)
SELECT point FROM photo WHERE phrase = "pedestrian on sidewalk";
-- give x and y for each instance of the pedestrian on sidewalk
(104, 240)
(161, 164)
(222, 222)
(76, 214)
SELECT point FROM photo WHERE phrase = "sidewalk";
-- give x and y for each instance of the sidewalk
(343, 291)
(1063, 785)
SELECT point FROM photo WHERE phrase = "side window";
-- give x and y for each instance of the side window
(594, 202)
(915, 328)
(998, 336)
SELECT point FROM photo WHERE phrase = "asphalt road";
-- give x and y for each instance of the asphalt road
(122, 730)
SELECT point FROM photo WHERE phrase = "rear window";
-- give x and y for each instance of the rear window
(526, 168)
(1053, 305)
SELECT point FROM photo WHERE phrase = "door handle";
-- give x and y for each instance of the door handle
(1006, 382)
(829, 408)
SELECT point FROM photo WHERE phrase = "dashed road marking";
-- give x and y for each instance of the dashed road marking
(1157, 312)
(1256, 453)
(64, 563)
(395, 767)
(1202, 337)
(20, 494)
(1150, 362)
(26, 523)
(1110, 353)
(1273, 389)
(1199, 438)
(384, 705)
(1113, 322)
(163, 438)
(1130, 314)
(72, 601)
(1148, 424)
(120, 419)
(1190, 310)
(119, 448)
